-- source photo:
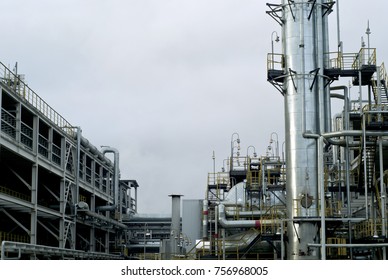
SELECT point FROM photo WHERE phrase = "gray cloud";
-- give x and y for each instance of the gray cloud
(166, 82)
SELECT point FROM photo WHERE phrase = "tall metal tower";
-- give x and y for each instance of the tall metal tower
(307, 115)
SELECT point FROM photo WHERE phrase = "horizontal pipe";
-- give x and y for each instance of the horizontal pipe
(3, 257)
(350, 245)
(92, 149)
(353, 133)
(343, 133)
(109, 220)
(106, 208)
(141, 246)
(235, 223)
(12, 246)
(244, 214)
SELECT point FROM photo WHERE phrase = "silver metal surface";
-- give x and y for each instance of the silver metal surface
(116, 175)
(304, 43)
(175, 222)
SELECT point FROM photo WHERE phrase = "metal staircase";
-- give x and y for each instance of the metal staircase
(379, 87)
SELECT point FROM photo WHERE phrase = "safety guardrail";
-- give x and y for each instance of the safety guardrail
(17, 85)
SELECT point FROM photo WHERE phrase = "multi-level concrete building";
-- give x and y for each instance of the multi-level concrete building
(56, 189)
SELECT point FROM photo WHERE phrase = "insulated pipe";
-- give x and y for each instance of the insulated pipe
(382, 194)
(248, 214)
(106, 208)
(370, 245)
(106, 219)
(330, 135)
(116, 175)
(321, 42)
(321, 186)
(92, 149)
(235, 223)
(205, 213)
(345, 97)
(244, 214)
(326, 65)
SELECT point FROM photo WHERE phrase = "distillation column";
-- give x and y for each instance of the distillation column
(305, 41)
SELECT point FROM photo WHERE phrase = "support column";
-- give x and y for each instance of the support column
(62, 209)
(34, 201)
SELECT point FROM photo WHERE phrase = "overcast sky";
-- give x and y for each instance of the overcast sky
(166, 82)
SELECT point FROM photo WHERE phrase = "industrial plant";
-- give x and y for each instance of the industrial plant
(319, 194)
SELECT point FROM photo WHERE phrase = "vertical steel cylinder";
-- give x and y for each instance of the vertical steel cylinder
(175, 223)
(205, 213)
(304, 35)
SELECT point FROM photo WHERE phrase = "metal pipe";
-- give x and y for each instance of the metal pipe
(93, 150)
(321, 186)
(235, 223)
(116, 175)
(347, 159)
(360, 87)
(353, 144)
(216, 230)
(106, 208)
(3, 257)
(77, 169)
(338, 30)
(205, 213)
(326, 65)
(324, 111)
(282, 241)
(223, 244)
(365, 171)
(245, 214)
(106, 219)
(175, 222)
(382, 193)
(371, 245)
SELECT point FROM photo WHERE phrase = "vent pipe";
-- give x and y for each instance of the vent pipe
(175, 223)
(205, 213)
(116, 172)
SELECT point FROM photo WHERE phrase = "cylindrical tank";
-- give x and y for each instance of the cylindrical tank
(306, 107)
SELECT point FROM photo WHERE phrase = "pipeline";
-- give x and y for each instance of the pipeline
(93, 150)
(116, 175)
(106, 219)
(205, 213)
(235, 223)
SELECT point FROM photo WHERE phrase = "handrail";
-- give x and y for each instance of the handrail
(8, 246)
(275, 61)
(337, 60)
(14, 82)
(366, 56)
(13, 193)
